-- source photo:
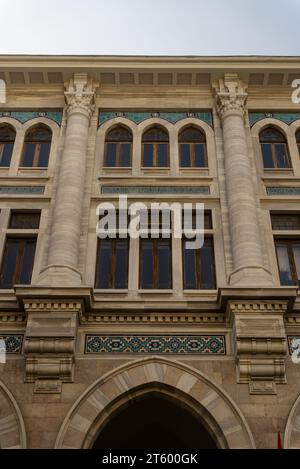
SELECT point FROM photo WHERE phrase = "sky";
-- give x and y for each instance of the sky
(150, 27)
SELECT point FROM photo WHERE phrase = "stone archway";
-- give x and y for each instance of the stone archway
(292, 429)
(12, 428)
(218, 411)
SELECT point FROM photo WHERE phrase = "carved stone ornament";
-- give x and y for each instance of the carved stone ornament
(231, 96)
(80, 95)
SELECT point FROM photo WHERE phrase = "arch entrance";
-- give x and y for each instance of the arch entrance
(152, 419)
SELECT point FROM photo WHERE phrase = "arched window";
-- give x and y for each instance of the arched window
(298, 140)
(274, 149)
(155, 152)
(37, 147)
(118, 148)
(7, 140)
(192, 148)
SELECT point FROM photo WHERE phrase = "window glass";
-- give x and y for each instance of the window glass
(284, 265)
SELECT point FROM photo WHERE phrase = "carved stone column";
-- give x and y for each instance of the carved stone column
(245, 237)
(260, 342)
(65, 234)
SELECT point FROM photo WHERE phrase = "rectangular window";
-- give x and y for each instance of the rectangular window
(117, 155)
(288, 257)
(24, 220)
(285, 222)
(193, 155)
(112, 263)
(155, 155)
(155, 264)
(199, 267)
(275, 155)
(17, 263)
(36, 154)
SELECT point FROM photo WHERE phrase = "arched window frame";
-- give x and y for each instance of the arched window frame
(119, 148)
(270, 149)
(193, 147)
(157, 148)
(6, 144)
(40, 144)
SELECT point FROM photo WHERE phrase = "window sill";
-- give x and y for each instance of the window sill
(156, 291)
(200, 292)
(278, 171)
(109, 291)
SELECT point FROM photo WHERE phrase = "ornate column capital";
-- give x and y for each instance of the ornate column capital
(80, 95)
(230, 96)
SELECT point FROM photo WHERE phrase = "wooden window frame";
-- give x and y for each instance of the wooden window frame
(154, 242)
(118, 154)
(273, 154)
(22, 240)
(112, 274)
(289, 243)
(155, 154)
(37, 152)
(193, 154)
(199, 286)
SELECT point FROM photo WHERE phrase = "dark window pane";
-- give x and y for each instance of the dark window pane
(9, 264)
(147, 264)
(299, 149)
(190, 276)
(296, 252)
(164, 264)
(119, 134)
(111, 152)
(121, 266)
(28, 155)
(162, 155)
(281, 155)
(156, 134)
(26, 264)
(23, 220)
(207, 267)
(271, 135)
(267, 155)
(185, 156)
(44, 155)
(200, 155)
(38, 134)
(104, 264)
(7, 149)
(284, 265)
(148, 155)
(298, 136)
(7, 133)
(125, 156)
(191, 134)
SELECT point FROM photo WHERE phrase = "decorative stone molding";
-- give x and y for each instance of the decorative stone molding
(50, 343)
(165, 318)
(260, 343)
(12, 318)
(80, 95)
(231, 96)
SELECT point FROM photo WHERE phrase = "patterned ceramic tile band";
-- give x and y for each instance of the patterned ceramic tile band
(287, 117)
(188, 344)
(283, 190)
(171, 117)
(22, 190)
(25, 116)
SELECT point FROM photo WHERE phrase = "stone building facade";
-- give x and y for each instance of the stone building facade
(215, 342)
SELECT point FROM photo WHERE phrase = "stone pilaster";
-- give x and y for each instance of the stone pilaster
(63, 256)
(50, 343)
(260, 342)
(247, 255)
